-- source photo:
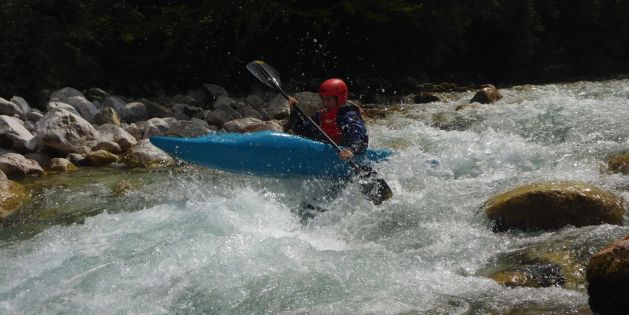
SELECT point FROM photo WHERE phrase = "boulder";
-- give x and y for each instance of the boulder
(608, 279)
(100, 158)
(251, 124)
(308, 102)
(156, 110)
(65, 93)
(12, 195)
(203, 123)
(223, 112)
(58, 105)
(118, 104)
(247, 110)
(135, 131)
(14, 135)
(16, 165)
(41, 158)
(137, 112)
(61, 165)
(277, 108)
(22, 104)
(255, 101)
(108, 146)
(170, 120)
(146, 155)
(213, 92)
(77, 159)
(34, 116)
(113, 133)
(155, 127)
(619, 164)
(107, 115)
(83, 106)
(533, 276)
(10, 108)
(486, 95)
(95, 94)
(186, 111)
(65, 131)
(188, 129)
(544, 206)
(426, 97)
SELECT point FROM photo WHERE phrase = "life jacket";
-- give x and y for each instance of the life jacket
(330, 126)
(330, 121)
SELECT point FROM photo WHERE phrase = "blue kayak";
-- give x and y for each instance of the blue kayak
(264, 153)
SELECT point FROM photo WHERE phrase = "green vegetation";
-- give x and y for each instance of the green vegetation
(142, 47)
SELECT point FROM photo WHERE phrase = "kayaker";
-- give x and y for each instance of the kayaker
(340, 119)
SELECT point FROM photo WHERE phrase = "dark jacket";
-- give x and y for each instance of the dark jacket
(348, 119)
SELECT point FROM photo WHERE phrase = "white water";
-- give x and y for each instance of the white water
(230, 244)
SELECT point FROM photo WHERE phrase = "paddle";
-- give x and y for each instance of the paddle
(376, 189)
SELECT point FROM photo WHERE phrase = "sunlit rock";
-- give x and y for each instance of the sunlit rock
(14, 135)
(65, 131)
(101, 158)
(608, 279)
(115, 134)
(16, 165)
(63, 94)
(155, 127)
(545, 206)
(188, 129)
(61, 165)
(59, 105)
(12, 195)
(85, 108)
(107, 115)
(486, 95)
(251, 124)
(619, 164)
(146, 155)
(22, 104)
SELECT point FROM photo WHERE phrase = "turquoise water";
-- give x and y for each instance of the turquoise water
(190, 240)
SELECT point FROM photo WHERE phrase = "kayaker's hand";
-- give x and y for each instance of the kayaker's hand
(292, 101)
(346, 154)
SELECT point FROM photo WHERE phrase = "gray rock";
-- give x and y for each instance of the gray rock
(213, 92)
(155, 127)
(61, 165)
(41, 158)
(188, 129)
(34, 116)
(96, 94)
(10, 108)
(14, 135)
(65, 131)
(247, 110)
(187, 110)
(22, 104)
(16, 165)
(309, 102)
(115, 134)
(118, 104)
(136, 112)
(63, 94)
(197, 98)
(30, 126)
(107, 146)
(251, 124)
(146, 155)
(83, 106)
(221, 116)
(77, 159)
(156, 110)
(135, 131)
(100, 158)
(170, 120)
(67, 107)
(255, 101)
(107, 115)
(202, 122)
(278, 108)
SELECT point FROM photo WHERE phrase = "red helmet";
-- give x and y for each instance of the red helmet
(334, 87)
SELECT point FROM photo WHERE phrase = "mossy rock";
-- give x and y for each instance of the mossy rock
(548, 206)
(619, 164)
(608, 279)
(101, 158)
(12, 197)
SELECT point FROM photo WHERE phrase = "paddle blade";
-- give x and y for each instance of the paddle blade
(376, 190)
(265, 73)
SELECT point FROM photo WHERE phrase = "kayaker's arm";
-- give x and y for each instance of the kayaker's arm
(354, 132)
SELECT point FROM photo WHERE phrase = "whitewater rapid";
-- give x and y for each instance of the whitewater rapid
(200, 241)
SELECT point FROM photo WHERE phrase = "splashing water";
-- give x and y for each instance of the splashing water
(199, 241)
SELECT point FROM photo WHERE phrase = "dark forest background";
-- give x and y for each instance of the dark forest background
(147, 47)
